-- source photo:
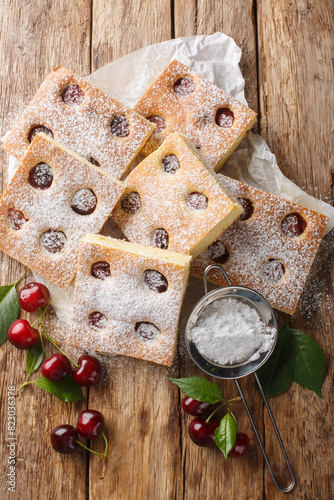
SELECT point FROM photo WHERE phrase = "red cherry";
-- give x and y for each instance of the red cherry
(197, 201)
(202, 433)
(195, 408)
(89, 371)
(89, 423)
(22, 335)
(241, 445)
(56, 368)
(33, 296)
(63, 439)
(184, 86)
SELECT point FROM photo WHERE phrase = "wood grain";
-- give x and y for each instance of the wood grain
(295, 48)
(35, 37)
(138, 401)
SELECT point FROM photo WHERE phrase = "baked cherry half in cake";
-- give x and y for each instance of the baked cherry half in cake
(100, 270)
(170, 164)
(248, 207)
(84, 201)
(293, 225)
(120, 126)
(97, 320)
(41, 176)
(15, 219)
(161, 239)
(184, 86)
(131, 202)
(73, 95)
(155, 281)
(273, 270)
(197, 201)
(53, 241)
(224, 117)
(37, 129)
(159, 121)
(218, 252)
(147, 331)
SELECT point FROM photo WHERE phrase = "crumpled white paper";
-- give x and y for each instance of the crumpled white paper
(216, 57)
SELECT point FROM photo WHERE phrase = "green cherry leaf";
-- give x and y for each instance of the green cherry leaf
(309, 362)
(9, 310)
(276, 374)
(199, 388)
(226, 435)
(34, 357)
(65, 390)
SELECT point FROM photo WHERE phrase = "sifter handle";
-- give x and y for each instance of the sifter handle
(293, 482)
(214, 266)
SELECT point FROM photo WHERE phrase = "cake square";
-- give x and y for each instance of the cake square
(84, 119)
(269, 249)
(127, 299)
(173, 200)
(182, 101)
(53, 200)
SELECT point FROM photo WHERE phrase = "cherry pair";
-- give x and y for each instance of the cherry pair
(21, 334)
(202, 432)
(58, 367)
(65, 438)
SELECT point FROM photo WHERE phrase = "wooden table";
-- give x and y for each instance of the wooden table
(287, 48)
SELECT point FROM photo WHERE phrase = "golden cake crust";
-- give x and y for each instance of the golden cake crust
(50, 208)
(194, 115)
(125, 299)
(164, 200)
(252, 242)
(84, 128)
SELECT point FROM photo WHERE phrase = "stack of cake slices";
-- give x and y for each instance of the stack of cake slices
(75, 144)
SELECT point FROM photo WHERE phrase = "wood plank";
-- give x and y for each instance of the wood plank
(296, 78)
(138, 401)
(35, 37)
(202, 17)
(242, 479)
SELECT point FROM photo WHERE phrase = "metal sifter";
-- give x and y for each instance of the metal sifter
(259, 303)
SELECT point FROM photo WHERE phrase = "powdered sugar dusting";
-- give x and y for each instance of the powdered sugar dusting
(81, 125)
(230, 332)
(254, 242)
(188, 104)
(130, 306)
(190, 206)
(48, 242)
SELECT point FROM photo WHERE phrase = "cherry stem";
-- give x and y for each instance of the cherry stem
(168, 370)
(226, 404)
(41, 315)
(95, 452)
(21, 278)
(26, 383)
(41, 337)
(50, 339)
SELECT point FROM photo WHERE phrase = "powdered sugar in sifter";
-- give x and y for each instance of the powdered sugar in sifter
(255, 300)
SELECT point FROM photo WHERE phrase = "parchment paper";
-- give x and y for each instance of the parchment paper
(216, 57)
